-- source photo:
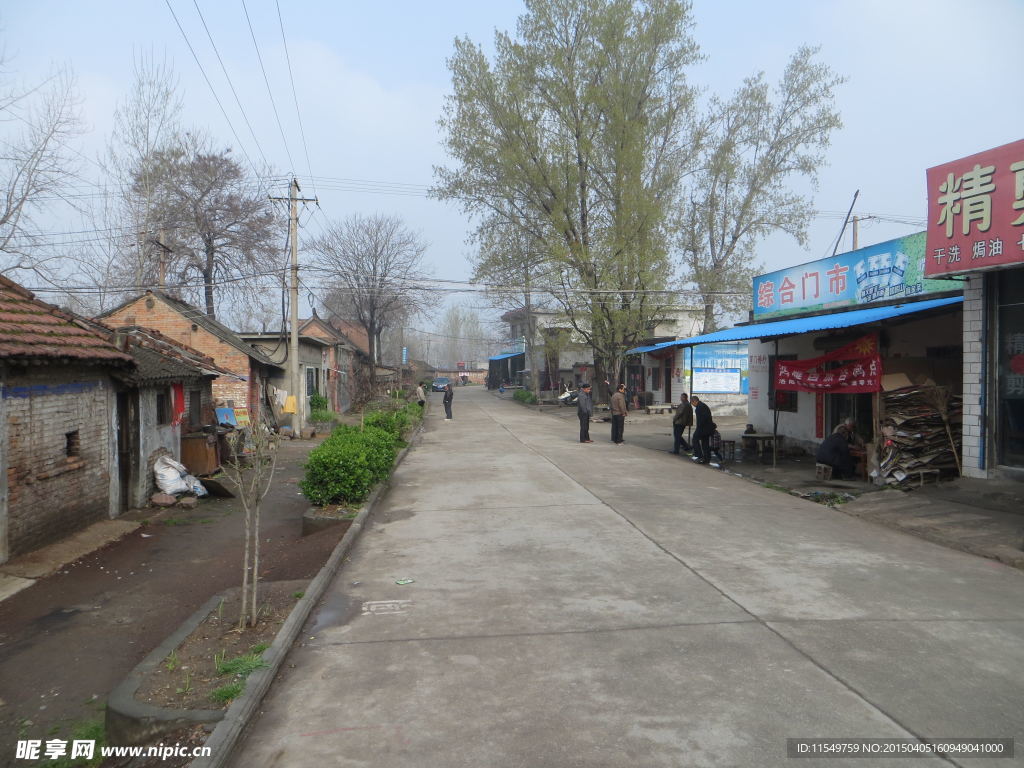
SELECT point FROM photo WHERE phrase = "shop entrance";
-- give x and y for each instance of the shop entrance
(1010, 403)
(858, 406)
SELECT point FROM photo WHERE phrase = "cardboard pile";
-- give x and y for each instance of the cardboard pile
(922, 432)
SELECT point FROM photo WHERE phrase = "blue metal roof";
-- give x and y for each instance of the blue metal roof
(638, 350)
(504, 355)
(815, 323)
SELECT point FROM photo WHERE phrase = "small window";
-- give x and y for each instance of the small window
(655, 378)
(195, 407)
(72, 447)
(163, 408)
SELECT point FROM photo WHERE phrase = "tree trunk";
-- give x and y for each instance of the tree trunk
(208, 281)
(709, 317)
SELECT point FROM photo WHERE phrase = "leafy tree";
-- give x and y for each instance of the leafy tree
(373, 270)
(575, 133)
(760, 142)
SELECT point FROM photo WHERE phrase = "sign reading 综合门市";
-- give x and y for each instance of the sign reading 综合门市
(976, 212)
(887, 271)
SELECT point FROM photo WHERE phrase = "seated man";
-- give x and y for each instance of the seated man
(835, 451)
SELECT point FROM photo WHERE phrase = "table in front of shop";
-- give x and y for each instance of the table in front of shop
(761, 444)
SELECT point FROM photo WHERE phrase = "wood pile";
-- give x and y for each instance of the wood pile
(921, 436)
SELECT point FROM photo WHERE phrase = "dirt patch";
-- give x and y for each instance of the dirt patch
(208, 669)
(186, 739)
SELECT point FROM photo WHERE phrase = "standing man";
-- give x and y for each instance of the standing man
(449, 395)
(584, 409)
(702, 432)
(682, 419)
(618, 407)
(421, 396)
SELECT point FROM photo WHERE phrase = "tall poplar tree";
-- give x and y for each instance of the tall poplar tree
(578, 131)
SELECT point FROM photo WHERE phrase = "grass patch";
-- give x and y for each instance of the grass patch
(240, 666)
(227, 692)
(298, 595)
(88, 730)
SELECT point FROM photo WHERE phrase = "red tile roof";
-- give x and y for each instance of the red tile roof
(33, 330)
(354, 333)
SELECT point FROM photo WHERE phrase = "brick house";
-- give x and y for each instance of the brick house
(168, 395)
(250, 368)
(58, 390)
(343, 355)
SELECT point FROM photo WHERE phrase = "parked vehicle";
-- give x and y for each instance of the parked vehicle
(568, 397)
(440, 383)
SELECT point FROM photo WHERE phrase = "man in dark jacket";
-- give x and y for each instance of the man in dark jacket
(618, 409)
(584, 410)
(835, 451)
(705, 425)
(449, 395)
(682, 419)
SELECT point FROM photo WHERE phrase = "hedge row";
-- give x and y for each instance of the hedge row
(345, 467)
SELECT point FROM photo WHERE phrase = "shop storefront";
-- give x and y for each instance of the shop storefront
(976, 234)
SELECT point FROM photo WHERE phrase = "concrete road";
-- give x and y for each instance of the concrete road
(601, 605)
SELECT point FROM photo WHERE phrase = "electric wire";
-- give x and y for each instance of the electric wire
(270, 92)
(295, 95)
(213, 91)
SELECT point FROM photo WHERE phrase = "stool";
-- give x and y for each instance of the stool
(728, 450)
(823, 471)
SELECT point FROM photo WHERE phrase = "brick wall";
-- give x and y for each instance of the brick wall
(974, 385)
(49, 492)
(151, 312)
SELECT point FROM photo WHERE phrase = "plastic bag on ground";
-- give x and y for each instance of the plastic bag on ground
(195, 486)
(171, 476)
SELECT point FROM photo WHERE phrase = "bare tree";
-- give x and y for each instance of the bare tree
(373, 269)
(219, 225)
(35, 166)
(252, 484)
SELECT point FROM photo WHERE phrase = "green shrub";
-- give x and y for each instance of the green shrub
(321, 415)
(389, 421)
(319, 403)
(525, 396)
(345, 466)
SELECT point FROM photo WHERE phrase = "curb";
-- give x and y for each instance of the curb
(128, 721)
(225, 736)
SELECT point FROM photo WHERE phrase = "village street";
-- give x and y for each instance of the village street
(602, 605)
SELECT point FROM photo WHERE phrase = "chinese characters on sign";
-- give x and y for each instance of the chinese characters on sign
(860, 371)
(976, 211)
(884, 272)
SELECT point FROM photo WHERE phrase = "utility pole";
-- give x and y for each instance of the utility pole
(294, 367)
(855, 222)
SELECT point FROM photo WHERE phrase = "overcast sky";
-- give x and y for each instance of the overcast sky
(929, 81)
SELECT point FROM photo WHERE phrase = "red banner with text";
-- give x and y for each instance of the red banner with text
(860, 370)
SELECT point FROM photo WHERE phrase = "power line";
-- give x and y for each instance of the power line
(270, 93)
(231, 85)
(213, 91)
(295, 96)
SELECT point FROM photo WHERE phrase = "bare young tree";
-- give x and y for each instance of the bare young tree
(252, 484)
(36, 124)
(373, 269)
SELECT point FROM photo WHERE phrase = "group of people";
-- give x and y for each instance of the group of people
(449, 396)
(691, 412)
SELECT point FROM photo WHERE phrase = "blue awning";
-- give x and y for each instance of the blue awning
(505, 355)
(816, 323)
(639, 350)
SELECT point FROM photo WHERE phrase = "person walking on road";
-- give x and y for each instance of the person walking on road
(682, 419)
(584, 410)
(449, 395)
(421, 396)
(705, 425)
(618, 407)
